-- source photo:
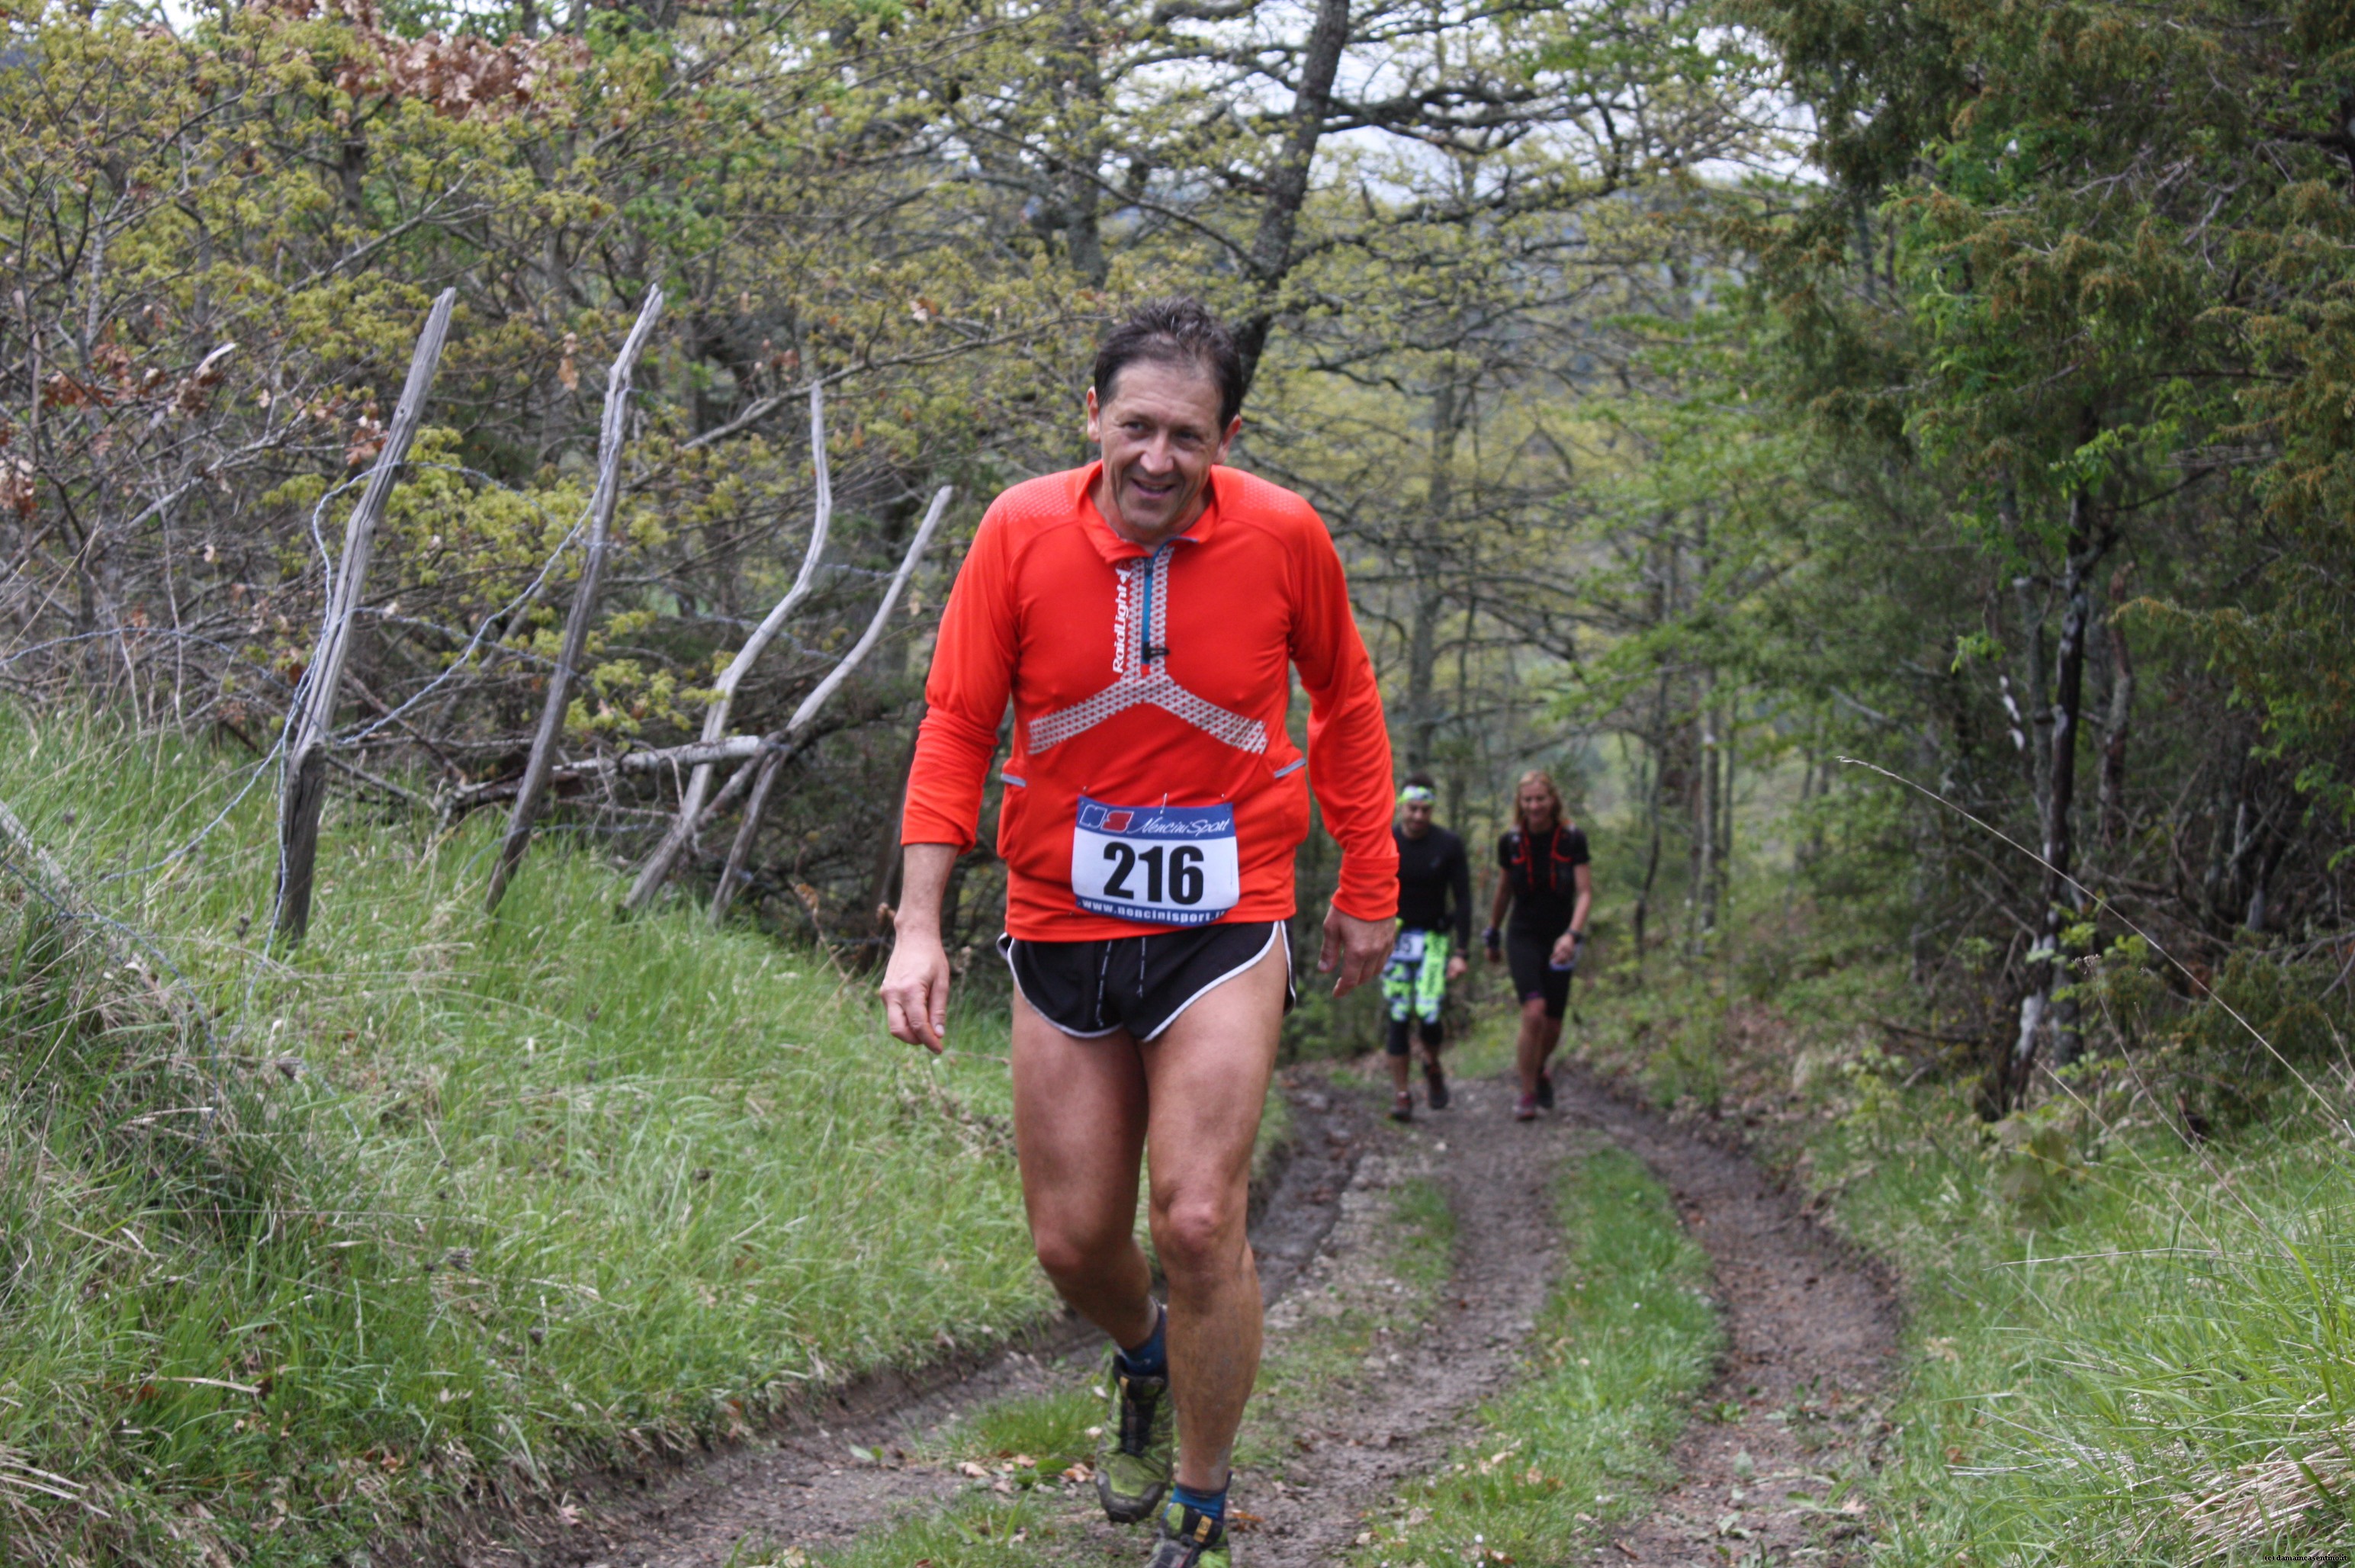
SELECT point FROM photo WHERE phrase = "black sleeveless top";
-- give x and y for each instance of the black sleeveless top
(1542, 871)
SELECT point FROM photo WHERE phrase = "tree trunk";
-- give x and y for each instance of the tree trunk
(1700, 910)
(666, 854)
(883, 888)
(1287, 186)
(1430, 593)
(2117, 722)
(1725, 812)
(2060, 891)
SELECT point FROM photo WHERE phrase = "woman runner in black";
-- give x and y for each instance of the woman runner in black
(1543, 876)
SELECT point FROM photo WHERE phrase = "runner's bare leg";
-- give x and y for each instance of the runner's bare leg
(1208, 1075)
(1539, 1034)
(1079, 1133)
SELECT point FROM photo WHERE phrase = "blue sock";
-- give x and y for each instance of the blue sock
(1210, 1505)
(1150, 1360)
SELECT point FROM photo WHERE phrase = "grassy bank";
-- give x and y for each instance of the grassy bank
(437, 1204)
(2129, 1341)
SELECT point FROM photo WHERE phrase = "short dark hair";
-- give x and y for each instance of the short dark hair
(1173, 331)
(1420, 779)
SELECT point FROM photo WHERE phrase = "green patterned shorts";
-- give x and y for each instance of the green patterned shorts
(1414, 982)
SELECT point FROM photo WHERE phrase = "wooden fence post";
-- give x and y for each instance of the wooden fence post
(584, 604)
(308, 726)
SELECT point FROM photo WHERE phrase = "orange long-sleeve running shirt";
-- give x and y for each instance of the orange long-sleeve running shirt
(1152, 782)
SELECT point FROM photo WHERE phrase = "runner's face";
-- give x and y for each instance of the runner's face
(1537, 806)
(1160, 434)
(1415, 817)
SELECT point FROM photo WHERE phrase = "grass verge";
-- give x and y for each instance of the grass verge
(1628, 1337)
(438, 1205)
(2126, 1343)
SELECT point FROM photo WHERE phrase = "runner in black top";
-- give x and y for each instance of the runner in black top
(1542, 874)
(1431, 943)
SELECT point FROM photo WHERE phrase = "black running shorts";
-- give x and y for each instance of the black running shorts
(1137, 983)
(1528, 957)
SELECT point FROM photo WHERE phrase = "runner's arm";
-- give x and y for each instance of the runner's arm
(1459, 881)
(1350, 762)
(1497, 907)
(972, 676)
(916, 983)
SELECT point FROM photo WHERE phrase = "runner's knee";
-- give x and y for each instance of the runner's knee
(1199, 1235)
(1074, 1252)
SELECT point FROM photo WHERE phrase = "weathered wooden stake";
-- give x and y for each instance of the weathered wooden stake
(308, 725)
(585, 603)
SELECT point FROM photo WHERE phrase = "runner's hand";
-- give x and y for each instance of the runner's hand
(1565, 950)
(916, 989)
(1360, 947)
(1457, 966)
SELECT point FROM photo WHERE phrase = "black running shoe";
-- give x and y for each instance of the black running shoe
(1545, 1090)
(1436, 1082)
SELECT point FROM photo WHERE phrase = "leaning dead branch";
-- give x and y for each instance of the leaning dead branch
(584, 604)
(666, 858)
(715, 718)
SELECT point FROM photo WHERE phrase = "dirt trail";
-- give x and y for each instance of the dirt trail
(1405, 1420)
(1810, 1331)
(804, 1485)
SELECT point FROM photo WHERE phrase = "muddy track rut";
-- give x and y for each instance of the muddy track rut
(1811, 1328)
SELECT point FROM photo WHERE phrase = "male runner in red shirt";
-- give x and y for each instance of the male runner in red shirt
(1142, 614)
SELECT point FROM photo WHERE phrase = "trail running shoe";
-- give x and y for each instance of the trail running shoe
(1436, 1082)
(1545, 1090)
(1526, 1108)
(1134, 1457)
(1190, 1539)
(1402, 1106)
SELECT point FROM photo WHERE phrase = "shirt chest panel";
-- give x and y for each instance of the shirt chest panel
(1212, 615)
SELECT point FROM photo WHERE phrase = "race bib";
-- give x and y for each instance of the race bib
(1408, 948)
(1157, 865)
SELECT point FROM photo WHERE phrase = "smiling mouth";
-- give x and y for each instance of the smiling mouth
(1153, 490)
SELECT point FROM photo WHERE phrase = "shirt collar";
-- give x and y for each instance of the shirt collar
(1113, 548)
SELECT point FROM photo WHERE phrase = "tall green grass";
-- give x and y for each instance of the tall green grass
(2152, 1361)
(2125, 1344)
(437, 1202)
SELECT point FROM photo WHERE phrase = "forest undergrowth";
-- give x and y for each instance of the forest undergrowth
(299, 1246)
(2131, 1305)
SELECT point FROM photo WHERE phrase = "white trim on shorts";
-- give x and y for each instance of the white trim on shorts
(1277, 933)
(1005, 950)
